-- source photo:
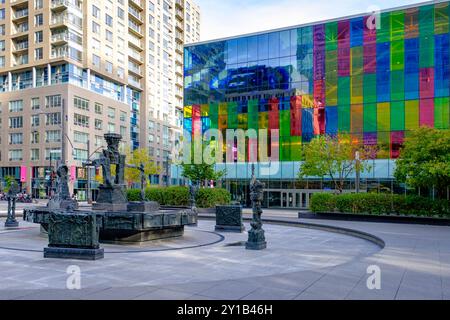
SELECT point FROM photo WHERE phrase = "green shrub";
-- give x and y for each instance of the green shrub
(379, 204)
(179, 196)
(209, 198)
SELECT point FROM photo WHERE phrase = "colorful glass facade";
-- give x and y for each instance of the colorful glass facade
(345, 76)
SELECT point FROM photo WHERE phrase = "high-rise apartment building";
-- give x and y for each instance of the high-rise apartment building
(72, 70)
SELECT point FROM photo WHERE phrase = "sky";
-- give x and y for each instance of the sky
(226, 18)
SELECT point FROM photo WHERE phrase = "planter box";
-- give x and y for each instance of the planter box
(375, 218)
(229, 218)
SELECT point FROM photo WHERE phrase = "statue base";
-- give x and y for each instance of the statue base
(111, 198)
(237, 229)
(229, 219)
(143, 206)
(74, 253)
(67, 205)
(256, 240)
(12, 224)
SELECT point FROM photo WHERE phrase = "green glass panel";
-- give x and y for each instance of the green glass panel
(398, 55)
(384, 143)
(397, 85)
(370, 88)
(384, 33)
(426, 20)
(296, 148)
(331, 35)
(243, 121)
(441, 113)
(426, 57)
(344, 120)
(285, 123)
(344, 90)
(253, 114)
(370, 117)
(357, 89)
(214, 108)
(441, 15)
(383, 117)
(397, 25)
(398, 116)
(411, 114)
(357, 56)
(285, 150)
(232, 115)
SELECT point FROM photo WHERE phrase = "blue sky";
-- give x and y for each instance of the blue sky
(225, 18)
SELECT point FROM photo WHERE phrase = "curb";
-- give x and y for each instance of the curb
(350, 232)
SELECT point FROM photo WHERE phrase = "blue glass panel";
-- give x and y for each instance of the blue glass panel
(263, 47)
(307, 124)
(356, 32)
(411, 69)
(253, 48)
(383, 72)
(331, 122)
(274, 45)
(442, 63)
(285, 43)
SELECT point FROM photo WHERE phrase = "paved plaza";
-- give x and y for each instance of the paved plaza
(303, 261)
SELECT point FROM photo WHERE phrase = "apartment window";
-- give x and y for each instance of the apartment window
(2, 14)
(35, 104)
(15, 155)
(15, 138)
(98, 108)
(95, 27)
(38, 4)
(52, 136)
(38, 20)
(98, 124)
(109, 67)
(80, 154)
(95, 11)
(123, 116)
(15, 122)
(38, 37)
(120, 72)
(123, 131)
(109, 36)
(34, 154)
(2, 61)
(81, 120)
(108, 51)
(35, 119)
(53, 118)
(120, 13)
(38, 53)
(2, 45)
(111, 127)
(95, 44)
(16, 106)
(111, 113)
(52, 153)
(53, 101)
(98, 141)
(34, 137)
(108, 20)
(2, 30)
(81, 103)
(80, 137)
(96, 60)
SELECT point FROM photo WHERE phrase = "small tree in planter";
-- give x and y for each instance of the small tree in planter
(335, 157)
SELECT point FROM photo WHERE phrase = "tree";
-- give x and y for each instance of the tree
(425, 160)
(201, 172)
(335, 157)
(135, 158)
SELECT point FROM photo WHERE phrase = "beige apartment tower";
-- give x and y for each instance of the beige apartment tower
(72, 70)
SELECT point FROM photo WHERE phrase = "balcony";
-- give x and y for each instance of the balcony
(62, 5)
(135, 29)
(179, 3)
(179, 14)
(59, 20)
(21, 46)
(60, 38)
(137, 3)
(19, 3)
(60, 52)
(20, 15)
(21, 60)
(21, 28)
(134, 69)
(135, 14)
(134, 83)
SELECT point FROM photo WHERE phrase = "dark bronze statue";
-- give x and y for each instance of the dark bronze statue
(11, 196)
(256, 237)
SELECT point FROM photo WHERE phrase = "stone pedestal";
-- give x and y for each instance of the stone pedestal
(111, 199)
(73, 236)
(229, 219)
(11, 224)
(256, 240)
(143, 206)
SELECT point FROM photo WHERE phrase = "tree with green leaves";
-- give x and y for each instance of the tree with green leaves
(425, 160)
(335, 157)
(201, 173)
(135, 158)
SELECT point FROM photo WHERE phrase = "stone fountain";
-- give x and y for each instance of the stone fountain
(112, 219)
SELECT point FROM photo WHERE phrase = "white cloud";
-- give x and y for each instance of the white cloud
(226, 18)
